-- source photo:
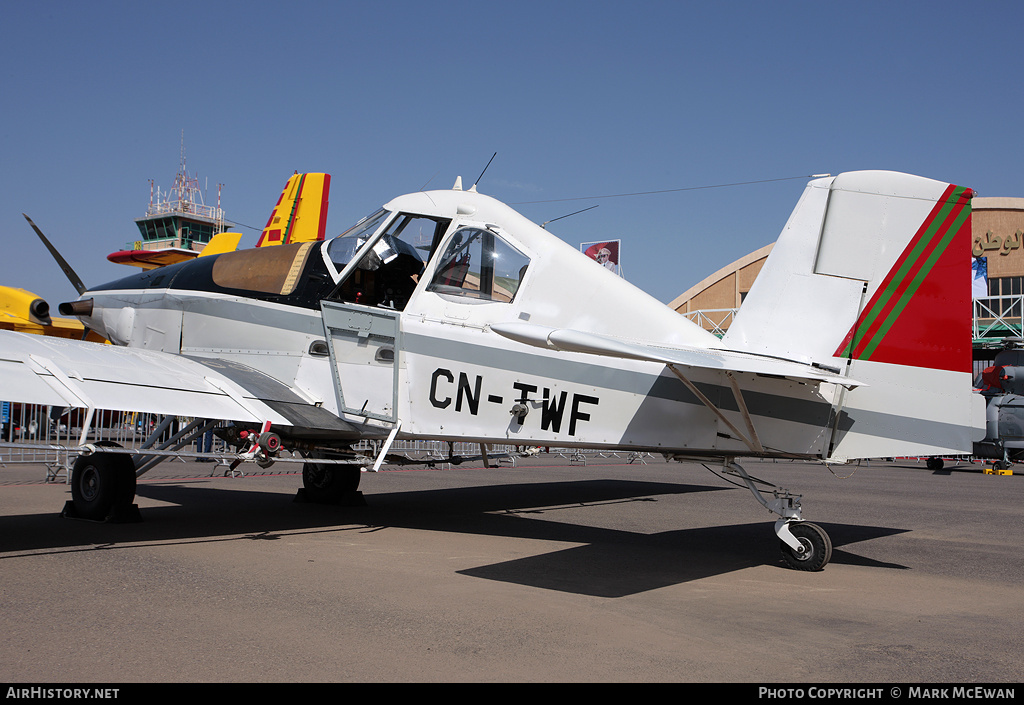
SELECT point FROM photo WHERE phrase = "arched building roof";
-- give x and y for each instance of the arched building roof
(725, 288)
(998, 229)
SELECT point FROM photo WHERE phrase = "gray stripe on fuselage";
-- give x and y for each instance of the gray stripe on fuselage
(668, 387)
(661, 386)
(232, 308)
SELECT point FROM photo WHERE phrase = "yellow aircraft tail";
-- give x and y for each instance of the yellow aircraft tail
(221, 242)
(301, 212)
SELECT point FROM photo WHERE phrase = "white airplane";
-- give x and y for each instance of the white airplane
(448, 315)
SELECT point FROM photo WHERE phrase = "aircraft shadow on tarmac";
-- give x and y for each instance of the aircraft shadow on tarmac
(632, 564)
(610, 563)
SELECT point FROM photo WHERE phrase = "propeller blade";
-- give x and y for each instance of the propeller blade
(75, 280)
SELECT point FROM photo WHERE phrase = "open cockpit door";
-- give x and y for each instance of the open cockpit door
(363, 345)
(376, 266)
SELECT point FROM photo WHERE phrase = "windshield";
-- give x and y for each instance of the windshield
(388, 273)
(341, 248)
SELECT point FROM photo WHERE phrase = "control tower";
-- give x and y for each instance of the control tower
(177, 226)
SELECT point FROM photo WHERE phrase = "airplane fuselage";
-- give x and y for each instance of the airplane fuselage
(427, 360)
(446, 315)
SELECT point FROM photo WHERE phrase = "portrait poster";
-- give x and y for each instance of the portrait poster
(606, 253)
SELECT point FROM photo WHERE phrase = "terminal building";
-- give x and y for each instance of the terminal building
(998, 246)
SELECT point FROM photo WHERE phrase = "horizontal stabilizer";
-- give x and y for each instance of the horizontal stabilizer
(705, 358)
(221, 243)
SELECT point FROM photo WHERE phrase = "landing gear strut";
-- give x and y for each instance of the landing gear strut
(804, 546)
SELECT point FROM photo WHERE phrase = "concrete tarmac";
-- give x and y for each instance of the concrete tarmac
(542, 572)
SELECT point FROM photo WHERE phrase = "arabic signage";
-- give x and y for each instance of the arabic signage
(994, 243)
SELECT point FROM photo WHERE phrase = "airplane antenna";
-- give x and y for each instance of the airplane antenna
(545, 223)
(424, 186)
(483, 172)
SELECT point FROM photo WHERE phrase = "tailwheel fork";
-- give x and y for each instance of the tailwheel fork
(804, 546)
(815, 549)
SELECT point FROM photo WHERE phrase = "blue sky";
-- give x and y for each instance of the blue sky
(580, 100)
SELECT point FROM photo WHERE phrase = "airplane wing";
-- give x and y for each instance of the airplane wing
(151, 259)
(708, 358)
(44, 370)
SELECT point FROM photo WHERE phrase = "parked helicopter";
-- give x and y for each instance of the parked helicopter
(1002, 386)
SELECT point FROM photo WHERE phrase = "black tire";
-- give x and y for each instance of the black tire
(100, 482)
(934, 463)
(329, 483)
(817, 547)
(270, 443)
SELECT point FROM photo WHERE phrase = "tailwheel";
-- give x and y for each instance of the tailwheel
(102, 488)
(816, 545)
(326, 483)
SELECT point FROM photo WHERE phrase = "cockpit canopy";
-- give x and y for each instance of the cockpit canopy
(475, 264)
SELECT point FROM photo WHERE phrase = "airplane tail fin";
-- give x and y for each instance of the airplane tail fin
(301, 212)
(221, 243)
(871, 277)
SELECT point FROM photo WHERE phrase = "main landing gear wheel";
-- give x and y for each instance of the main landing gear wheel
(330, 484)
(102, 488)
(817, 547)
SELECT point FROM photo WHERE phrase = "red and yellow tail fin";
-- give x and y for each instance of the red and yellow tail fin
(301, 212)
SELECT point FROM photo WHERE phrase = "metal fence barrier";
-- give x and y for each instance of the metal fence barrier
(28, 429)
